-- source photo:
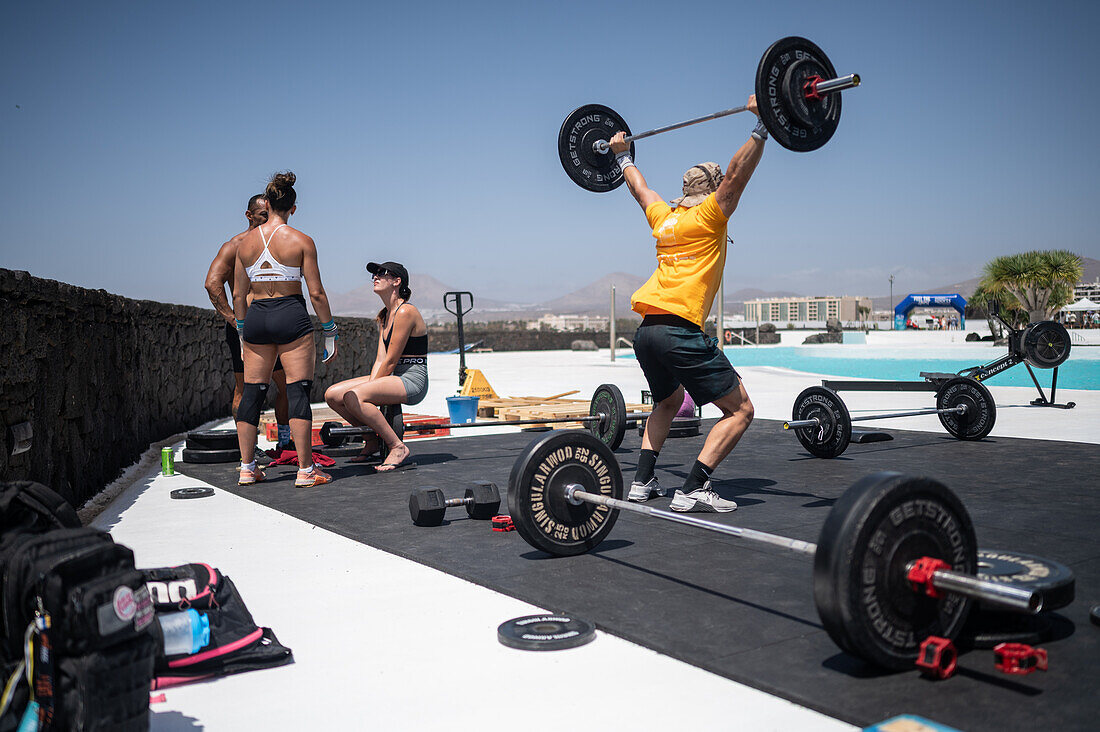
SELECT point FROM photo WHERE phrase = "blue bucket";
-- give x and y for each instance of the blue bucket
(462, 409)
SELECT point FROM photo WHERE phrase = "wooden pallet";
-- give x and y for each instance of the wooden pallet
(490, 407)
(563, 408)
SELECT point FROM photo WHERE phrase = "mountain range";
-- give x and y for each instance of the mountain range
(594, 298)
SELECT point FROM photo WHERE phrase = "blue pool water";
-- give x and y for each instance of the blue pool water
(860, 362)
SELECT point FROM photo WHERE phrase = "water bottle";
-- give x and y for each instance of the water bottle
(185, 632)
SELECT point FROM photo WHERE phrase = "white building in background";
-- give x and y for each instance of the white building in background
(1091, 290)
(568, 323)
(802, 309)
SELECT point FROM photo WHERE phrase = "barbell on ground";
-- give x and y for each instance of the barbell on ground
(427, 505)
(797, 95)
(895, 562)
(823, 425)
(607, 419)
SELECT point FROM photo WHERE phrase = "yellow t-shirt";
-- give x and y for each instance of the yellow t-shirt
(691, 255)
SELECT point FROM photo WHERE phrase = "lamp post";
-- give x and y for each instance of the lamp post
(891, 311)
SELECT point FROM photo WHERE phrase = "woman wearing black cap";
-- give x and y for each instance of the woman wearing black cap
(400, 373)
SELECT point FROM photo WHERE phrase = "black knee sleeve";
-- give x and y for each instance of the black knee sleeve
(297, 399)
(252, 403)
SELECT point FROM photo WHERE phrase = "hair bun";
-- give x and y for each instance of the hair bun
(283, 180)
(280, 191)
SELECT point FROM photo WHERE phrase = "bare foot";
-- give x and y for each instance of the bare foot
(397, 456)
(370, 448)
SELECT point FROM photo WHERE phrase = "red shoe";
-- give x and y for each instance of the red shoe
(310, 478)
(248, 477)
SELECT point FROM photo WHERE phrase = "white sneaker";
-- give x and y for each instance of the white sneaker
(641, 492)
(703, 500)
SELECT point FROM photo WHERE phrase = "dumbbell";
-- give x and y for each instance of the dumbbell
(427, 504)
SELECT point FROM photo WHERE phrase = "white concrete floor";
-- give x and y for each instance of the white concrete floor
(381, 642)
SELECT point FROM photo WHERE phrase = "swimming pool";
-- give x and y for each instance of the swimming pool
(1081, 371)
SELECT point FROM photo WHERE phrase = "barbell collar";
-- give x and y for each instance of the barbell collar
(827, 86)
(814, 422)
(576, 496)
(1016, 598)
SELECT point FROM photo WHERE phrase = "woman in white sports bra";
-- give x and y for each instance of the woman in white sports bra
(272, 260)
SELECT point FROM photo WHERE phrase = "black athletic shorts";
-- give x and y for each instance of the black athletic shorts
(234, 342)
(674, 351)
(277, 320)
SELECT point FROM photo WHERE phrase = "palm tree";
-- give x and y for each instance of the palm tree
(864, 311)
(993, 299)
(1041, 282)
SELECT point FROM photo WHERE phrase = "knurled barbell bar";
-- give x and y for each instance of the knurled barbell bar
(816, 422)
(823, 425)
(895, 562)
(607, 419)
(797, 95)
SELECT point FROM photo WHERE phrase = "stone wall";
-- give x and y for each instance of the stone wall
(99, 377)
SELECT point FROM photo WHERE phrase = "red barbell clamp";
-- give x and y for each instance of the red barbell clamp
(503, 523)
(937, 657)
(809, 87)
(920, 575)
(1019, 658)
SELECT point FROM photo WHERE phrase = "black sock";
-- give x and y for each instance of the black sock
(647, 460)
(699, 475)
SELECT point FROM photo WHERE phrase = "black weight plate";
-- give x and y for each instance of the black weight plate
(832, 436)
(810, 112)
(193, 492)
(984, 630)
(1094, 614)
(981, 412)
(1027, 571)
(796, 123)
(871, 535)
(349, 450)
(211, 456)
(545, 632)
(329, 439)
(536, 492)
(212, 440)
(593, 171)
(1046, 344)
(608, 401)
(677, 432)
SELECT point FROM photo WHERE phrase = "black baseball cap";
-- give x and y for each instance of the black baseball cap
(391, 267)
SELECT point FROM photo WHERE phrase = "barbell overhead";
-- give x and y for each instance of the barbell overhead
(894, 563)
(798, 99)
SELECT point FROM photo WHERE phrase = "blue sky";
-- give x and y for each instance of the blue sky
(131, 135)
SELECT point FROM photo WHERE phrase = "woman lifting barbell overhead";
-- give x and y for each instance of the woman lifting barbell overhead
(400, 372)
(670, 344)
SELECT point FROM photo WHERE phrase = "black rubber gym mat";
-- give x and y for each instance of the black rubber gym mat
(742, 609)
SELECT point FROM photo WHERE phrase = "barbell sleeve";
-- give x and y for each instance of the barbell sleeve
(830, 86)
(827, 86)
(998, 593)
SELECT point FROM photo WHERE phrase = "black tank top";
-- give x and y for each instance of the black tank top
(414, 346)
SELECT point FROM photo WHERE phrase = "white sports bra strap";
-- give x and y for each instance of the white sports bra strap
(276, 271)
